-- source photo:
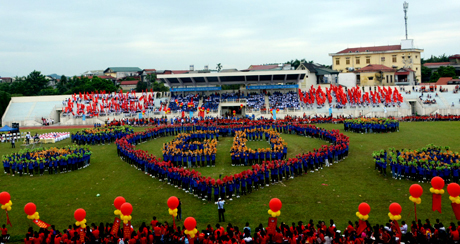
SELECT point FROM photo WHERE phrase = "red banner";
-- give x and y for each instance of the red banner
(127, 230)
(437, 202)
(271, 228)
(8, 222)
(41, 224)
(115, 227)
(361, 227)
(456, 209)
(82, 234)
(397, 229)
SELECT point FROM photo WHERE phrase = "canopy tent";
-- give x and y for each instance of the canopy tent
(7, 128)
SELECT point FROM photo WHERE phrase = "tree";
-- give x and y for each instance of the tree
(219, 67)
(5, 98)
(102, 84)
(35, 82)
(151, 78)
(61, 86)
(443, 71)
(141, 86)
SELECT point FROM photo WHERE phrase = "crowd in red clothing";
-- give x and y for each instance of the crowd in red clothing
(296, 233)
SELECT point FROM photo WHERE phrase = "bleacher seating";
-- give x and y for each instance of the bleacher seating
(284, 101)
(177, 100)
(212, 102)
(256, 101)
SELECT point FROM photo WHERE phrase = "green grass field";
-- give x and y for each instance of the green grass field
(332, 193)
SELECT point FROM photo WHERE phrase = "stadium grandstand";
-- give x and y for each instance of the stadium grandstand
(262, 92)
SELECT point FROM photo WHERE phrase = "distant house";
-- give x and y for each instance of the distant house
(267, 67)
(128, 85)
(375, 75)
(146, 72)
(99, 72)
(317, 75)
(6, 80)
(122, 72)
(454, 61)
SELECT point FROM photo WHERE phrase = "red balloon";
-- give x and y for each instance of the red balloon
(437, 182)
(118, 202)
(190, 223)
(364, 208)
(4, 198)
(173, 202)
(79, 214)
(275, 204)
(453, 189)
(126, 208)
(395, 209)
(30, 208)
(416, 190)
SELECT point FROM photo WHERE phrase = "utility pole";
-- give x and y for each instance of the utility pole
(405, 7)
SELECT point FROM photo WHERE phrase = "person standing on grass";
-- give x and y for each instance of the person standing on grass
(13, 142)
(221, 209)
(179, 210)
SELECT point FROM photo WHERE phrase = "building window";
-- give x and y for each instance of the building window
(387, 79)
(347, 61)
(357, 60)
(408, 57)
(371, 77)
(368, 60)
(382, 59)
(337, 61)
(394, 58)
(391, 78)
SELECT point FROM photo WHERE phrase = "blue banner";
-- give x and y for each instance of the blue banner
(330, 111)
(272, 87)
(140, 115)
(191, 114)
(84, 117)
(274, 114)
(216, 88)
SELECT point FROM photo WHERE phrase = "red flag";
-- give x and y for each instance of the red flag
(436, 205)
(361, 227)
(127, 230)
(115, 227)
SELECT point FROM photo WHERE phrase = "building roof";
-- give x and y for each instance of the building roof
(436, 64)
(150, 70)
(375, 68)
(454, 56)
(263, 67)
(371, 49)
(129, 82)
(122, 69)
(447, 81)
(318, 69)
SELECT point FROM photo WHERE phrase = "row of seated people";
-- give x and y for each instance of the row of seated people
(256, 101)
(178, 99)
(212, 102)
(284, 101)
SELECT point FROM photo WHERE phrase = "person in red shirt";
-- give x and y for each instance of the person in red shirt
(154, 222)
(454, 234)
(5, 235)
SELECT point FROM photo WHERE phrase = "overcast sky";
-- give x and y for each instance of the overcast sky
(70, 37)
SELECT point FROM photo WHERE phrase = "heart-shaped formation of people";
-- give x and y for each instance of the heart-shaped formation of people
(195, 146)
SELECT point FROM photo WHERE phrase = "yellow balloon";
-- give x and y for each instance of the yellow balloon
(175, 210)
(83, 226)
(175, 214)
(129, 217)
(125, 221)
(270, 211)
(195, 231)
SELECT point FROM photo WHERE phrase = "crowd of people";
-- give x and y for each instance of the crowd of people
(100, 135)
(53, 160)
(287, 100)
(256, 101)
(47, 121)
(211, 102)
(271, 170)
(371, 125)
(419, 165)
(107, 103)
(310, 232)
(181, 102)
(242, 155)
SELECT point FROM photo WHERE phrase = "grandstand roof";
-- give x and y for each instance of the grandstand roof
(318, 69)
(226, 78)
(264, 67)
(375, 68)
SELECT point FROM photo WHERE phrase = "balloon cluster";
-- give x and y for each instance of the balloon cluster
(126, 210)
(5, 200)
(275, 207)
(416, 192)
(437, 184)
(80, 215)
(173, 203)
(363, 211)
(190, 226)
(117, 203)
(241, 105)
(31, 210)
(395, 211)
(454, 191)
